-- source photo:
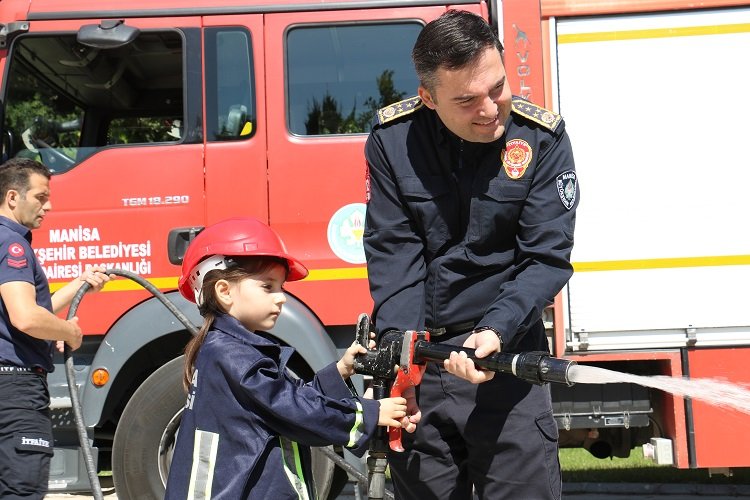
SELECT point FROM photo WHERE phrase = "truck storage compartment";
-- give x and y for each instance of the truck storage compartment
(586, 406)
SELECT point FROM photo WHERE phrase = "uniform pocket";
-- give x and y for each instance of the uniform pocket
(503, 190)
(425, 188)
(34, 450)
(495, 212)
(549, 435)
(429, 202)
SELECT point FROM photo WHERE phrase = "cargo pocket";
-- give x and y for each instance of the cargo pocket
(34, 449)
(549, 435)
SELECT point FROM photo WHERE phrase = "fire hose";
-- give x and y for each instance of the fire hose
(411, 350)
(96, 487)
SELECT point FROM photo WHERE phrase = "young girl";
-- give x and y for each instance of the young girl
(247, 424)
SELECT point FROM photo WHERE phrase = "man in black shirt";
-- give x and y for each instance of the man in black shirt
(469, 229)
(28, 331)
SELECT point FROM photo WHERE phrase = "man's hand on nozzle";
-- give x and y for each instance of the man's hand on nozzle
(485, 342)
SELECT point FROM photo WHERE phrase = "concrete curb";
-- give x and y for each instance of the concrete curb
(677, 489)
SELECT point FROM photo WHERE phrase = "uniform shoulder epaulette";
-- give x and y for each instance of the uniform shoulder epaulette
(536, 114)
(399, 109)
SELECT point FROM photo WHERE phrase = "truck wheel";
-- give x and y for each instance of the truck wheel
(145, 437)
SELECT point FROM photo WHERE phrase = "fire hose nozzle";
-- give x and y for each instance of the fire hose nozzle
(536, 367)
(540, 367)
(414, 348)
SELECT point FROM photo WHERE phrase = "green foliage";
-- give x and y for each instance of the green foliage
(138, 129)
(579, 466)
(326, 116)
(30, 105)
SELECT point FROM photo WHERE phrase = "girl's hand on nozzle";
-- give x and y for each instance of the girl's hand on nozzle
(392, 412)
(346, 364)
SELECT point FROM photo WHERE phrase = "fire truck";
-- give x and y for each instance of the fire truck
(159, 117)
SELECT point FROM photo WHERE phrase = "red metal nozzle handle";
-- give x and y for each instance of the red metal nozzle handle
(409, 375)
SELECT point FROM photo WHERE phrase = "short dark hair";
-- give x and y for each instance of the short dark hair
(16, 173)
(451, 41)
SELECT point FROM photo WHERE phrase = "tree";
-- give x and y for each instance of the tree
(326, 117)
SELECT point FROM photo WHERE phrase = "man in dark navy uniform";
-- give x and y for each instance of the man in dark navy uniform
(28, 329)
(471, 209)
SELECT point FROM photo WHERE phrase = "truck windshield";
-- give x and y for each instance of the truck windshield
(64, 101)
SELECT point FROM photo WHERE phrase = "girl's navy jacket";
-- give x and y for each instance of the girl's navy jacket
(248, 425)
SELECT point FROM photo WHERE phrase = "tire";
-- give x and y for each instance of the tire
(145, 437)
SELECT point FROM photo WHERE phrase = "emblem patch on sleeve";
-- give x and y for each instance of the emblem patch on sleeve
(567, 188)
(516, 157)
(15, 256)
(16, 250)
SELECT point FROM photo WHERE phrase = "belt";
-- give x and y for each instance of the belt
(10, 369)
(452, 330)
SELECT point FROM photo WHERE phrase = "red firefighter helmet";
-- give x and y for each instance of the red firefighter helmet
(240, 236)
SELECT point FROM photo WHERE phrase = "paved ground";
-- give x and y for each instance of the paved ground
(578, 491)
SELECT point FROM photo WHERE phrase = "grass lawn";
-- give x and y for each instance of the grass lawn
(578, 465)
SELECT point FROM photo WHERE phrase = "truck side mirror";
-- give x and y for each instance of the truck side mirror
(109, 34)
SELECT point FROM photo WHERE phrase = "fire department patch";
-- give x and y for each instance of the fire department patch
(516, 157)
(16, 250)
(567, 188)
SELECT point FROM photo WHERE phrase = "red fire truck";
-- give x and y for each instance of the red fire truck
(158, 117)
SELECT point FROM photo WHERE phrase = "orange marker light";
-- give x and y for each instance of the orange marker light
(99, 377)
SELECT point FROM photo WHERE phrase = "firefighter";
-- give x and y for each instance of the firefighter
(248, 424)
(28, 331)
(469, 229)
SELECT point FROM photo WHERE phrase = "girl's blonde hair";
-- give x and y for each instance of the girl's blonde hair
(244, 267)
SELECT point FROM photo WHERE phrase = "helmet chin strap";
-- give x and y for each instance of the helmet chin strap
(214, 262)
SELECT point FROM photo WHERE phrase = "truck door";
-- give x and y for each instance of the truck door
(121, 130)
(330, 72)
(236, 124)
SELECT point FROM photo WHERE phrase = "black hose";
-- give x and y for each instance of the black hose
(96, 487)
(341, 462)
(75, 401)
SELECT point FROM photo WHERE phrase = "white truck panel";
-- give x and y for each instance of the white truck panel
(657, 109)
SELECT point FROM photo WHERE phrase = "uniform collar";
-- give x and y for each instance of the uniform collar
(15, 226)
(231, 325)
(449, 139)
